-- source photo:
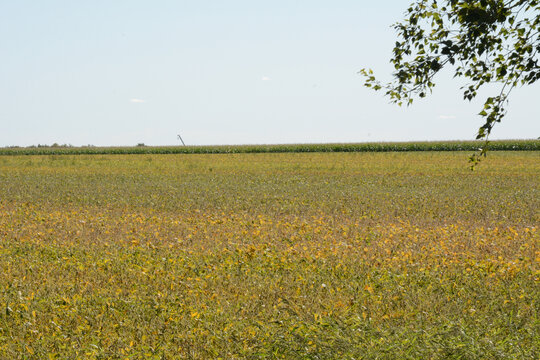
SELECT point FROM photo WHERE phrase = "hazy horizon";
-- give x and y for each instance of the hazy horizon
(68, 145)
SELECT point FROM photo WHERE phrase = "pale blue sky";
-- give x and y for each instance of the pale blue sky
(217, 72)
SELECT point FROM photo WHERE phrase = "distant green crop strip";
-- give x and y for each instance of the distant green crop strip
(501, 145)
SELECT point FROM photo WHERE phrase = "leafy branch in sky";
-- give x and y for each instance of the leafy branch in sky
(485, 41)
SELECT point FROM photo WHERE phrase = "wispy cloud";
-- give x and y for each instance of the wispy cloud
(446, 117)
(265, 78)
(137, 101)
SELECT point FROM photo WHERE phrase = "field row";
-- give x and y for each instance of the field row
(498, 145)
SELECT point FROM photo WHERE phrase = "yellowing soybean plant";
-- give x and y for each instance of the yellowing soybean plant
(252, 256)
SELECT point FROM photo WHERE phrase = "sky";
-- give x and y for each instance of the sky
(120, 72)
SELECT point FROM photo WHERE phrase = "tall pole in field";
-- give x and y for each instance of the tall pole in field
(181, 140)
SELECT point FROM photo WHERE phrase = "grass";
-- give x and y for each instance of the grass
(498, 145)
(252, 256)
